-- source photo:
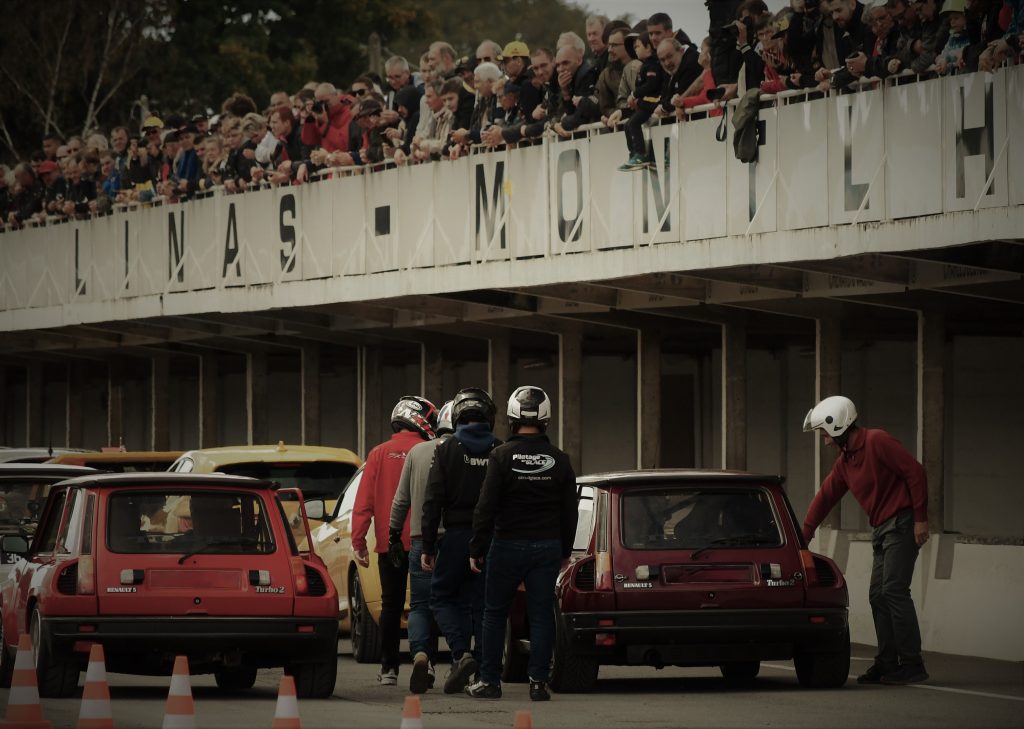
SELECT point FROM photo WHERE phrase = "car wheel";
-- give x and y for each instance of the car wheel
(6, 660)
(741, 672)
(571, 673)
(236, 679)
(515, 661)
(56, 674)
(314, 680)
(824, 670)
(366, 644)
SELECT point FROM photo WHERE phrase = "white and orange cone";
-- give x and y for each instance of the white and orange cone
(412, 713)
(180, 712)
(286, 715)
(96, 712)
(23, 708)
(523, 720)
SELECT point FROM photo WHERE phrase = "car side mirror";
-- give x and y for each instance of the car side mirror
(13, 545)
(315, 509)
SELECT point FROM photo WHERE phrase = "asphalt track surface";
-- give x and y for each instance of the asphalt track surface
(962, 693)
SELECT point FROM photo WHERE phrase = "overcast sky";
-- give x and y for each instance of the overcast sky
(690, 15)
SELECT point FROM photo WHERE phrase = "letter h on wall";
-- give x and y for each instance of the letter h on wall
(974, 141)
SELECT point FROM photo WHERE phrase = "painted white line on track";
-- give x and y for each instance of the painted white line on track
(945, 689)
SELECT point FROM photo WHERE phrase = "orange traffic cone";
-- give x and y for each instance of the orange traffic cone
(412, 713)
(286, 715)
(523, 720)
(23, 708)
(95, 712)
(181, 712)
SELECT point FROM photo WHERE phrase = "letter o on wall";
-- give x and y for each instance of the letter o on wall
(569, 163)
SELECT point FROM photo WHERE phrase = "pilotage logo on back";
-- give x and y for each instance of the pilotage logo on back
(532, 463)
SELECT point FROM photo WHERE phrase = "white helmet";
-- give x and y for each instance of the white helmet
(834, 415)
(444, 419)
(529, 405)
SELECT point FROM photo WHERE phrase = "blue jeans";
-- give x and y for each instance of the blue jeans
(510, 562)
(457, 593)
(422, 638)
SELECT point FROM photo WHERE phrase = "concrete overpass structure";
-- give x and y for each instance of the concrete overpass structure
(683, 316)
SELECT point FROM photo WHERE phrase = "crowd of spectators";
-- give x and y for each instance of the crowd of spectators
(508, 95)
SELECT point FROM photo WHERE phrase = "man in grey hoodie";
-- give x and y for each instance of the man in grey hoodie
(412, 487)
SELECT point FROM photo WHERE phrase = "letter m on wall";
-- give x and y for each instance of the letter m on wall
(490, 211)
(176, 247)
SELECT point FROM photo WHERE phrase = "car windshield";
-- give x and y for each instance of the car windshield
(318, 479)
(21, 503)
(178, 521)
(693, 518)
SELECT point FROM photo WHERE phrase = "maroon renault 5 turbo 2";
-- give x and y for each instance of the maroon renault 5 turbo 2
(154, 565)
(698, 568)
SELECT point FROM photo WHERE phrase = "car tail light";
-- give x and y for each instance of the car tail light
(605, 623)
(86, 583)
(605, 580)
(604, 640)
(810, 570)
(299, 576)
(817, 619)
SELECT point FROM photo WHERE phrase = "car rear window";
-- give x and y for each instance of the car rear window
(692, 518)
(317, 479)
(183, 521)
(21, 503)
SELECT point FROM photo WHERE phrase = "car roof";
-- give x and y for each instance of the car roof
(213, 458)
(166, 478)
(118, 457)
(703, 476)
(57, 471)
(36, 454)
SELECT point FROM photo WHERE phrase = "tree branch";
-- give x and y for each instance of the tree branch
(28, 95)
(48, 118)
(105, 58)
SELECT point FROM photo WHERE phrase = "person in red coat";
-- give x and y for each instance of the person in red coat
(414, 419)
(326, 123)
(891, 486)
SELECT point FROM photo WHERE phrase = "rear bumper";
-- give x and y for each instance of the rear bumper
(151, 640)
(706, 637)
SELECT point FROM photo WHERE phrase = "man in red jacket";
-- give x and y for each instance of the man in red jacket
(327, 123)
(414, 420)
(891, 486)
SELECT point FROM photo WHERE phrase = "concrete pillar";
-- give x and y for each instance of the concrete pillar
(648, 398)
(34, 385)
(499, 379)
(73, 415)
(256, 398)
(371, 388)
(4, 400)
(208, 421)
(828, 357)
(734, 396)
(931, 343)
(570, 393)
(432, 373)
(159, 403)
(310, 384)
(115, 402)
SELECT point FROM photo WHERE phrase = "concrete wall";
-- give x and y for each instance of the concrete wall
(284, 404)
(232, 423)
(183, 411)
(339, 417)
(609, 413)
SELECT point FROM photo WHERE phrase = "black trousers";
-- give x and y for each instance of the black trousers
(393, 581)
(635, 127)
(895, 552)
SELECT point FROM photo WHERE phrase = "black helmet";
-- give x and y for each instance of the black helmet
(529, 405)
(472, 403)
(417, 414)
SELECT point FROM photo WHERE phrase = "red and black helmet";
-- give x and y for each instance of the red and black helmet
(417, 414)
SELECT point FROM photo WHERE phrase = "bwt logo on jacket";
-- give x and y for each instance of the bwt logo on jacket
(532, 462)
(474, 461)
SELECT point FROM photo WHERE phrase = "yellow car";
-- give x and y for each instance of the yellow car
(358, 587)
(120, 461)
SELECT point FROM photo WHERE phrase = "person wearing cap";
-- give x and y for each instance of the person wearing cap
(957, 39)
(202, 123)
(510, 111)
(892, 487)
(55, 188)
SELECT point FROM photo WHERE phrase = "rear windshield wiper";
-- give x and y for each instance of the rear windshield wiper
(237, 542)
(752, 540)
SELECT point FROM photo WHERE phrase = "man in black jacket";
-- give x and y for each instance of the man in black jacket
(525, 523)
(577, 81)
(453, 486)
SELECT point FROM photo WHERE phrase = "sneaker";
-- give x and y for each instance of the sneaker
(635, 162)
(539, 691)
(388, 677)
(481, 690)
(872, 675)
(430, 676)
(462, 671)
(419, 679)
(904, 675)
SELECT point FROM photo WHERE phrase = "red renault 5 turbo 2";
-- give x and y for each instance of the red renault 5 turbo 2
(698, 568)
(154, 565)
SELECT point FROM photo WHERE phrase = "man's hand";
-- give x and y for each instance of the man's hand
(741, 35)
(492, 136)
(363, 557)
(249, 153)
(538, 113)
(614, 118)
(400, 157)
(822, 74)
(856, 64)
(920, 532)
(389, 116)
(476, 564)
(564, 81)
(396, 550)
(560, 131)
(576, 100)
(427, 562)
(632, 102)
(894, 65)
(460, 135)
(303, 174)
